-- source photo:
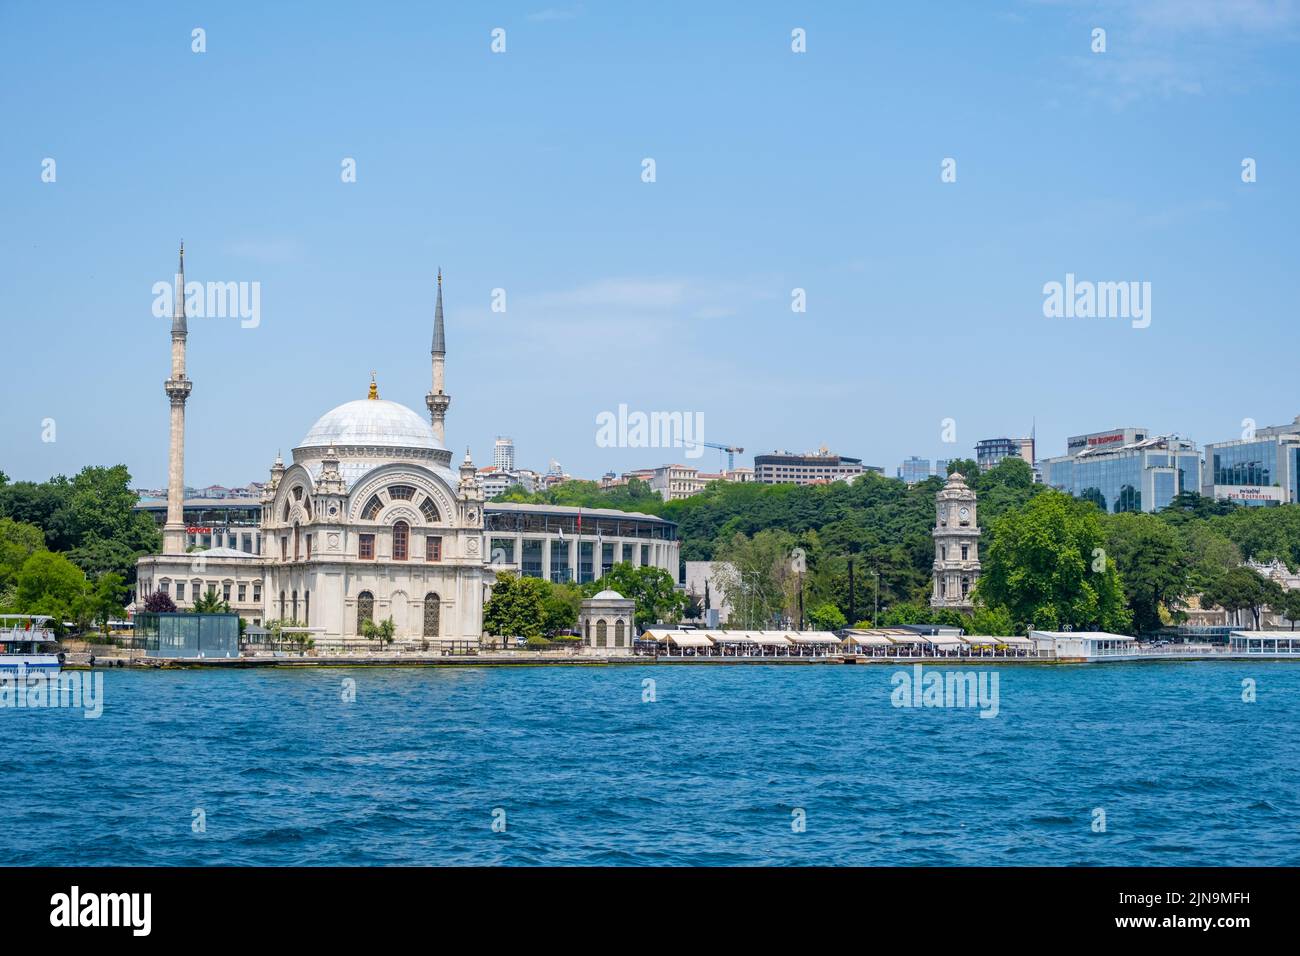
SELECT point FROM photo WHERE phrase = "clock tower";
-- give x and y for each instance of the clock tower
(956, 546)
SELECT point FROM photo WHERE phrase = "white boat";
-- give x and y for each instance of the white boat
(28, 645)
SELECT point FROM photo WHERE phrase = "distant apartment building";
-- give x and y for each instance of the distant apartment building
(1262, 469)
(783, 467)
(677, 481)
(990, 451)
(1125, 470)
(914, 469)
(503, 454)
(495, 482)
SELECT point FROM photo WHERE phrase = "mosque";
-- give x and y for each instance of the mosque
(371, 521)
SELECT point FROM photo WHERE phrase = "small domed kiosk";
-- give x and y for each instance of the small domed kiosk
(607, 622)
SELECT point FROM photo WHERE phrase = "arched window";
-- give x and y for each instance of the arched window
(306, 607)
(401, 492)
(365, 608)
(282, 605)
(295, 605)
(429, 510)
(372, 509)
(602, 637)
(287, 504)
(432, 615)
(618, 634)
(401, 539)
(586, 632)
(295, 540)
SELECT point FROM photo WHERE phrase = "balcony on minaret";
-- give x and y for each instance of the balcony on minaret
(178, 389)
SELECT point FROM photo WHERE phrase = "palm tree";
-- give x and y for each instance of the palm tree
(209, 603)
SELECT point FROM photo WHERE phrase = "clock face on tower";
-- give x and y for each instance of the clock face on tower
(964, 513)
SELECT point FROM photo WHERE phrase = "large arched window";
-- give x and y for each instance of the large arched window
(365, 609)
(372, 508)
(618, 634)
(429, 510)
(432, 615)
(282, 605)
(602, 636)
(401, 540)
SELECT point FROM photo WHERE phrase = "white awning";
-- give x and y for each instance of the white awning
(689, 639)
(1015, 641)
(943, 640)
(869, 640)
(981, 641)
(812, 637)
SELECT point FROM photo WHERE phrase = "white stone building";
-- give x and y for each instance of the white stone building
(368, 521)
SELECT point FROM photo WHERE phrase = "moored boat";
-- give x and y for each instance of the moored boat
(27, 645)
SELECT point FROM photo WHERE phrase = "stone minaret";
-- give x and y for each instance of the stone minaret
(178, 390)
(437, 400)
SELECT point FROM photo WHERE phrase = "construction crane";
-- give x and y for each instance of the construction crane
(731, 450)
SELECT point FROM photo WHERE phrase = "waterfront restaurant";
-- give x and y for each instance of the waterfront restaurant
(813, 643)
(1083, 645)
(1265, 643)
(874, 642)
(674, 643)
(750, 643)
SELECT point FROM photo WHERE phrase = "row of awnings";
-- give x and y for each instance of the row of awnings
(741, 638)
(877, 637)
(901, 637)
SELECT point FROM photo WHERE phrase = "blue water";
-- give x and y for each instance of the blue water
(709, 773)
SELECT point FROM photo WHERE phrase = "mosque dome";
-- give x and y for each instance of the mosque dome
(609, 595)
(371, 422)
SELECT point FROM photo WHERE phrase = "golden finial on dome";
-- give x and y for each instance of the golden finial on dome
(374, 389)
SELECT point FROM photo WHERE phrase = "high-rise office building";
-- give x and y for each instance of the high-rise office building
(503, 454)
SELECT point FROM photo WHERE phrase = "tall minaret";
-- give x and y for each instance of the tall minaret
(178, 390)
(438, 399)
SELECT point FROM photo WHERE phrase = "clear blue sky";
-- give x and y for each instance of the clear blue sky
(522, 171)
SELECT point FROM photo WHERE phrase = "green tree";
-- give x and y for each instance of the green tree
(827, 617)
(1243, 589)
(560, 608)
(209, 603)
(653, 589)
(107, 595)
(51, 584)
(1289, 605)
(383, 632)
(515, 608)
(1046, 564)
(18, 542)
(1152, 564)
(991, 622)
(758, 587)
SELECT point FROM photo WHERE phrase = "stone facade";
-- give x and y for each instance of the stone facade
(956, 545)
(607, 623)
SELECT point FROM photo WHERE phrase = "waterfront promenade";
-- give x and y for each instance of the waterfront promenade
(575, 657)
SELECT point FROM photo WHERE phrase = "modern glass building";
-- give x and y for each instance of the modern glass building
(1141, 476)
(914, 470)
(1263, 469)
(990, 451)
(187, 635)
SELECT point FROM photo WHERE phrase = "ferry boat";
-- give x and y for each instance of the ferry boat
(26, 642)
